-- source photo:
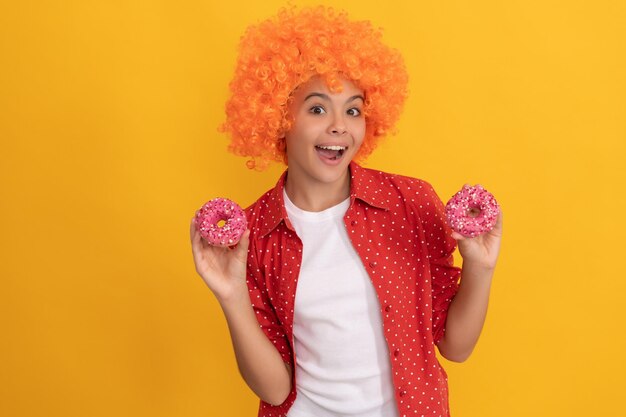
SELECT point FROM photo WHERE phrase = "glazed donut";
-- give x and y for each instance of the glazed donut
(216, 210)
(472, 211)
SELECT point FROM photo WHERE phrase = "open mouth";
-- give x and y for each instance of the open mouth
(331, 152)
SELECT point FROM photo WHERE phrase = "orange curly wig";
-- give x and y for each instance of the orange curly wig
(280, 53)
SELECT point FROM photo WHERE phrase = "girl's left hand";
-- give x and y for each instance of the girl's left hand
(481, 250)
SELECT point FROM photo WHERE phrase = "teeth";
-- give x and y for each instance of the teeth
(333, 148)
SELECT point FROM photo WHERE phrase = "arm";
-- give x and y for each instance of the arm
(259, 362)
(468, 309)
(458, 310)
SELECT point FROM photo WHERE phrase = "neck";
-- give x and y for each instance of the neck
(316, 196)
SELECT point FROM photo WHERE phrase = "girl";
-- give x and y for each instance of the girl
(344, 284)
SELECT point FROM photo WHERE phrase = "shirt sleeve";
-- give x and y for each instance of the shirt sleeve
(263, 308)
(441, 246)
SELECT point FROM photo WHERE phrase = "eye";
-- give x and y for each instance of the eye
(317, 110)
(354, 112)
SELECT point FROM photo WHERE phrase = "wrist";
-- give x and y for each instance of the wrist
(478, 269)
(234, 301)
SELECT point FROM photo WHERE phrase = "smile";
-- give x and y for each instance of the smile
(332, 152)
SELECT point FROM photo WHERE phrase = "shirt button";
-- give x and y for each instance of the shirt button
(388, 308)
(402, 393)
(353, 222)
(396, 352)
(373, 264)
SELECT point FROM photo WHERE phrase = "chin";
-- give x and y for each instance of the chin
(330, 174)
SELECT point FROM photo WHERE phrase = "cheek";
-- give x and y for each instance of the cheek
(305, 131)
(359, 130)
(296, 139)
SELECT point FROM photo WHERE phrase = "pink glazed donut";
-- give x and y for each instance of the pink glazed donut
(472, 211)
(216, 210)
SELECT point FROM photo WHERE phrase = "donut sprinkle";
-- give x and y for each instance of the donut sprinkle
(208, 219)
(472, 211)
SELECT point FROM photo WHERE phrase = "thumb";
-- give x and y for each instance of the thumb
(241, 250)
(457, 236)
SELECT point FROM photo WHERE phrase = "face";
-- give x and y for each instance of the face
(327, 132)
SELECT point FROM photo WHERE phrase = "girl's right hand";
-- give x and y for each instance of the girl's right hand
(222, 269)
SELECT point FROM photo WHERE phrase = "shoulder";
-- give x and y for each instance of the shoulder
(415, 189)
(258, 210)
(258, 204)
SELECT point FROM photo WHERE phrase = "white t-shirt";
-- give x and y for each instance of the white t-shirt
(342, 360)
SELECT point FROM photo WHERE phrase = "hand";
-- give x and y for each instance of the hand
(222, 269)
(481, 250)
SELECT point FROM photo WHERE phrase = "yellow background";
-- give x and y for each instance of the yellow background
(108, 116)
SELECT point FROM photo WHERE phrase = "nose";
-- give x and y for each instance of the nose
(337, 125)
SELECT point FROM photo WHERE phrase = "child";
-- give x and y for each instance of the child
(344, 283)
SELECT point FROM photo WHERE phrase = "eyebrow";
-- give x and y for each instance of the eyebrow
(325, 97)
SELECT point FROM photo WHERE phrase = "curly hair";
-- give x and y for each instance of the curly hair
(279, 54)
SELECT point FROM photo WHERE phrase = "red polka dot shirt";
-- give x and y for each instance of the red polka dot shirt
(397, 226)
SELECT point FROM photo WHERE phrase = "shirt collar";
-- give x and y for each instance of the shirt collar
(364, 185)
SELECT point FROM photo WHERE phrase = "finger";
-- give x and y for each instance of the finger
(193, 232)
(196, 238)
(498, 225)
(241, 251)
(192, 229)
